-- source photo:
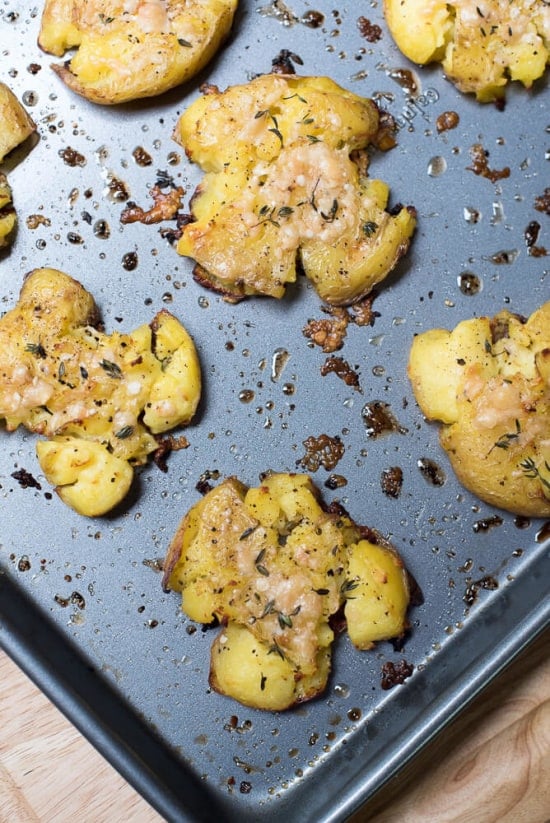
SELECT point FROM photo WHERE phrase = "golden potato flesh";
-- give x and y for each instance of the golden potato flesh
(99, 399)
(15, 123)
(128, 50)
(481, 45)
(273, 566)
(281, 185)
(7, 212)
(488, 382)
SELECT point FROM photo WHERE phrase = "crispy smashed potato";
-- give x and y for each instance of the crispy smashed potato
(128, 50)
(488, 382)
(285, 179)
(15, 124)
(481, 45)
(99, 399)
(7, 212)
(273, 566)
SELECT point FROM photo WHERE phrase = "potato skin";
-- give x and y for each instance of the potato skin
(7, 213)
(16, 126)
(281, 184)
(99, 399)
(273, 566)
(481, 45)
(488, 381)
(127, 53)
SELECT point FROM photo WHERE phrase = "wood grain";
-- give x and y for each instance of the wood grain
(491, 765)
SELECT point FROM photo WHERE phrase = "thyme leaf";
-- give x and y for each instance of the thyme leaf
(532, 471)
(124, 432)
(37, 349)
(112, 369)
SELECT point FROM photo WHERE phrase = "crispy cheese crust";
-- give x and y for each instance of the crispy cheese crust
(99, 399)
(273, 566)
(285, 184)
(481, 44)
(488, 382)
(133, 49)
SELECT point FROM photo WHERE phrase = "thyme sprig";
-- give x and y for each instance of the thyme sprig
(507, 438)
(532, 471)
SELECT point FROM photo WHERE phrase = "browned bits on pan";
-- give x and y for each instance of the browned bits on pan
(370, 31)
(531, 235)
(488, 583)
(342, 369)
(542, 203)
(313, 19)
(378, 419)
(72, 157)
(142, 157)
(168, 444)
(391, 481)
(393, 674)
(446, 121)
(335, 481)
(480, 165)
(487, 523)
(322, 451)
(166, 206)
(431, 471)
(26, 479)
(328, 333)
(35, 220)
(283, 62)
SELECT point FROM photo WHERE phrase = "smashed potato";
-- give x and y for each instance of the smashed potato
(15, 124)
(488, 382)
(129, 50)
(285, 180)
(481, 45)
(273, 566)
(7, 212)
(99, 399)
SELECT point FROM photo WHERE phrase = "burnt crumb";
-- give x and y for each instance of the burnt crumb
(156, 564)
(342, 369)
(542, 203)
(283, 62)
(391, 481)
(166, 206)
(378, 419)
(72, 157)
(34, 68)
(431, 471)
(480, 165)
(166, 446)
(142, 157)
(322, 451)
(487, 523)
(209, 88)
(446, 121)
(328, 333)
(245, 787)
(116, 188)
(370, 31)
(489, 583)
(335, 481)
(531, 235)
(313, 19)
(393, 674)
(203, 485)
(26, 479)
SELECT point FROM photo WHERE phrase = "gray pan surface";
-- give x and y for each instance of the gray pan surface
(81, 603)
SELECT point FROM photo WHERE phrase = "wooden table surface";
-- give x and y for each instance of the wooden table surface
(491, 765)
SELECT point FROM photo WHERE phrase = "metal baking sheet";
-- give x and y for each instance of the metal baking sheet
(81, 605)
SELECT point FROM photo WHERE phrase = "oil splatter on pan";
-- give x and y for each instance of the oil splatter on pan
(81, 603)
